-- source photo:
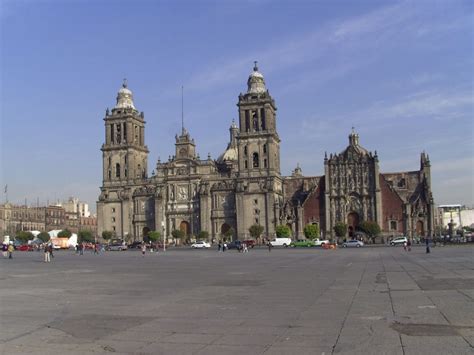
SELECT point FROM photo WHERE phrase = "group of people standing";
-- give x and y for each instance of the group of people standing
(7, 250)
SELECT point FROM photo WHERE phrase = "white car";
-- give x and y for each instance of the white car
(320, 243)
(353, 244)
(398, 241)
(200, 245)
(281, 242)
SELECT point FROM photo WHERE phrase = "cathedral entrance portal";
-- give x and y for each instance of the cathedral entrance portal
(145, 232)
(184, 227)
(225, 228)
(352, 223)
(420, 230)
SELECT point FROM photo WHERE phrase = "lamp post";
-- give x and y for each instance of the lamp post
(164, 238)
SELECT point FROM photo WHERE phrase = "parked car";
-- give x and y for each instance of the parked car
(319, 243)
(135, 245)
(281, 242)
(25, 247)
(116, 247)
(201, 245)
(235, 244)
(398, 241)
(353, 244)
(250, 243)
(302, 243)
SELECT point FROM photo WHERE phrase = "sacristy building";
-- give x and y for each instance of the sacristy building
(244, 185)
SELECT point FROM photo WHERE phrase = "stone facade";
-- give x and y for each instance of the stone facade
(244, 186)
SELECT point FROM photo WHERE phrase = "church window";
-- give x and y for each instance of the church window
(262, 117)
(255, 160)
(264, 163)
(393, 225)
(247, 120)
(113, 209)
(119, 133)
(126, 160)
(110, 174)
(113, 219)
(112, 137)
(113, 228)
(265, 148)
(245, 151)
(125, 132)
(402, 183)
(139, 170)
(126, 173)
(256, 221)
(255, 202)
(246, 164)
(117, 170)
(110, 160)
(136, 134)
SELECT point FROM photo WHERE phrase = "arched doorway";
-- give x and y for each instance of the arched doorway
(145, 232)
(420, 229)
(352, 223)
(184, 227)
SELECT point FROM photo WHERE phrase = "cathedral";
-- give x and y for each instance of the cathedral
(244, 185)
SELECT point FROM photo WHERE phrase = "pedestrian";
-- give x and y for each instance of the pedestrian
(143, 249)
(409, 244)
(427, 245)
(219, 246)
(269, 246)
(246, 249)
(96, 249)
(224, 247)
(10, 250)
(47, 253)
(405, 246)
(5, 250)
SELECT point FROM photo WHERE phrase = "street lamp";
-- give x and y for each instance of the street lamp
(164, 240)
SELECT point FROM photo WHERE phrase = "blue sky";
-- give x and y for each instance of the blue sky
(400, 72)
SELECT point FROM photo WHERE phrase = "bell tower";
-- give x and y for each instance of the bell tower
(258, 141)
(124, 153)
(259, 184)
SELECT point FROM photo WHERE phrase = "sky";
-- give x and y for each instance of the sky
(400, 72)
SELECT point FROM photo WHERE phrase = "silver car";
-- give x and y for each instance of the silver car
(398, 241)
(353, 244)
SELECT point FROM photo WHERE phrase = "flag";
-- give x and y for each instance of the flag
(6, 188)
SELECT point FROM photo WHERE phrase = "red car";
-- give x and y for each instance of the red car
(25, 247)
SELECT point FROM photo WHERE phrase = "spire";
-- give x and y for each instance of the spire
(182, 110)
(255, 67)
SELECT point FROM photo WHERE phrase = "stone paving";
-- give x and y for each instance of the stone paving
(373, 300)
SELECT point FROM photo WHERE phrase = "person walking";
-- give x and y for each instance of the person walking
(269, 246)
(219, 246)
(246, 249)
(405, 246)
(409, 244)
(5, 250)
(10, 250)
(47, 253)
(143, 249)
(82, 249)
(224, 247)
(427, 245)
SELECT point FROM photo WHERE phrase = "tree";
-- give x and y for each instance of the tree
(178, 234)
(24, 237)
(256, 230)
(311, 231)
(203, 235)
(370, 228)
(229, 233)
(65, 233)
(340, 229)
(85, 236)
(283, 231)
(153, 236)
(43, 236)
(106, 235)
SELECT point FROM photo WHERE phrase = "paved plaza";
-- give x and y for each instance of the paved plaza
(373, 300)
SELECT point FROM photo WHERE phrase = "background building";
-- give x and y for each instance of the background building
(244, 186)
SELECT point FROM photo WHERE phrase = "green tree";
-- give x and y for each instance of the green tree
(178, 234)
(283, 231)
(372, 229)
(65, 233)
(256, 231)
(340, 229)
(24, 237)
(107, 235)
(229, 233)
(311, 231)
(153, 236)
(43, 236)
(203, 235)
(85, 236)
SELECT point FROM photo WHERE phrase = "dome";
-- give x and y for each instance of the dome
(230, 154)
(124, 97)
(256, 82)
